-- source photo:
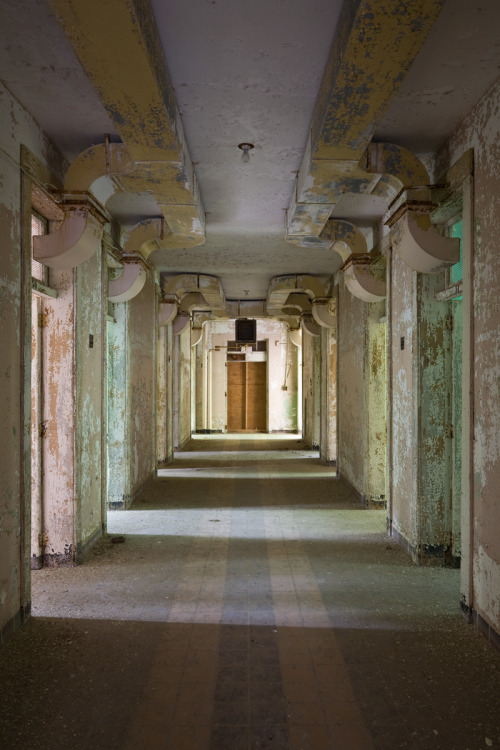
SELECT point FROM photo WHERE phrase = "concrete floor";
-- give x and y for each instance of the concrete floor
(253, 604)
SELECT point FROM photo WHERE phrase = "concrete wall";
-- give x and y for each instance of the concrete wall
(352, 388)
(142, 384)
(311, 370)
(481, 509)
(132, 384)
(182, 387)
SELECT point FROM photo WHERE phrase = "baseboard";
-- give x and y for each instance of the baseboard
(354, 490)
(13, 625)
(489, 632)
(126, 500)
(430, 555)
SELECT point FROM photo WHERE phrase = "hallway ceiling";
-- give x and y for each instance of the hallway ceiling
(249, 72)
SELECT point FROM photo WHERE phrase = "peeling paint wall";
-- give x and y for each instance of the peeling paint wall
(311, 390)
(142, 384)
(118, 441)
(352, 388)
(481, 539)
(402, 510)
(182, 388)
(328, 420)
(376, 381)
(16, 127)
(164, 420)
(90, 422)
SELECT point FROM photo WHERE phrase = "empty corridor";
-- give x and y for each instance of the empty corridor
(253, 604)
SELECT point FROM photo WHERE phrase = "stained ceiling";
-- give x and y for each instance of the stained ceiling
(249, 72)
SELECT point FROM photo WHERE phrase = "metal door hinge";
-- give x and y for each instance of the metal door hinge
(43, 320)
(450, 431)
(448, 322)
(42, 429)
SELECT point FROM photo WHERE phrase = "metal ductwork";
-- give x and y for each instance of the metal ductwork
(127, 70)
(166, 312)
(280, 287)
(296, 336)
(418, 243)
(208, 286)
(193, 301)
(324, 312)
(181, 322)
(342, 126)
(297, 303)
(78, 236)
(246, 308)
(361, 281)
(309, 325)
(196, 336)
(128, 285)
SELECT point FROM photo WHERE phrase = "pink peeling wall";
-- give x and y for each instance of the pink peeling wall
(16, 127)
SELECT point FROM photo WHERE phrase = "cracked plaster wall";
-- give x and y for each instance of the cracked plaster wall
(142, 384)
(16, 127)
(311, 389)
(352, 388)
(480, 130)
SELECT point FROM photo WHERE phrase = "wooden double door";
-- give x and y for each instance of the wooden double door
(247, 396)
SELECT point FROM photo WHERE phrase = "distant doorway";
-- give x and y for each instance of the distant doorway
(246, 396)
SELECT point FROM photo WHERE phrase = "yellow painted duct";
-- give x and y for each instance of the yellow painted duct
(118, 46)
(376, 41)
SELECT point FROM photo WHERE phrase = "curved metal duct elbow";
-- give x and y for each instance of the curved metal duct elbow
(420, 246)
(324, 312)
(361, 280)
(297, 302)
(104, 159)
(399, 168)
(128, 285)
(192, 301)
(181, 322)
(209, 287)
(296, 336)
(196, 336)
(280, 287)
(246, 308)
(309, 325)
(77, 238)
(166, 312)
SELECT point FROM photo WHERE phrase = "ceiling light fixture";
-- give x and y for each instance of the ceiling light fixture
(246, 148)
